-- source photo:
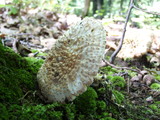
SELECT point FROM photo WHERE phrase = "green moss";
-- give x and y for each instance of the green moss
(70, 111)
(155, 107)
(155, 86)
(109, 70)
(34, 112)
(157, 77)
(105, 116)
(19, 101)
(4, 113)
(17, 88)
(33, 64)
(117, 81)
(101, 106)
(118, 96)
(39, 53)
(86, 103)
(17, 75)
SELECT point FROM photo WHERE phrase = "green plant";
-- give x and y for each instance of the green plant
(113, 83)
(70, 111)
(4, 115)
(105, 102)
(101, 105)
(155, 86)
(12, 8)
(108, 70)
(157, 77)
(86, 103)
(117, 96)
(17, 74)
(16, 5)
(117, 81)
(59, 6)
(34, 112)
(39, 53)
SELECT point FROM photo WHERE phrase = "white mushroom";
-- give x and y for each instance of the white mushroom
(136, 43)
(73, 61)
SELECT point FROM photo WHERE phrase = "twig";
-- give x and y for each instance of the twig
(124, 31)
(127, 68)
(128, 85)
(24, 95)
(149, 12)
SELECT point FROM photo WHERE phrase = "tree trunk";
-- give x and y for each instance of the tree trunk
(121, 5)
(94, 6)
(109, 10)
(86, 8)
(98, 5)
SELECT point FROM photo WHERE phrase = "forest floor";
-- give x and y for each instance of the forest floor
(116, 94)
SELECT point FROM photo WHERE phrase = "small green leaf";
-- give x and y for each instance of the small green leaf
(2, 6)
(13, 10)
(119, 97)
(155, 86)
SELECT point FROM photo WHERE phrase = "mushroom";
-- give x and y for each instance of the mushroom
(72, 62)
(136, 43)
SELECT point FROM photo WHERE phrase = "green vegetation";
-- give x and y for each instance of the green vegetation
(19, 100)
(108, 100)
(88, 101)
(17, 75)
(155, 86)
(39, 53)
(157, 77)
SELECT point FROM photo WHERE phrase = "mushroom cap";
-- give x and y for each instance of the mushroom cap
(136, 43)
(73, 61)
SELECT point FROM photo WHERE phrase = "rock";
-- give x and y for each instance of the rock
(135, 79)
(148, 79)
(149, 99)
(144, 72)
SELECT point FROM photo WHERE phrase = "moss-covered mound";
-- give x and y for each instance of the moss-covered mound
(17, 75)
(19, 100)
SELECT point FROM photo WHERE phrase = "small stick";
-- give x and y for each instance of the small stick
(123, 35)
(149, 12)
(24, 95)
(127, 68)
(124, 29)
